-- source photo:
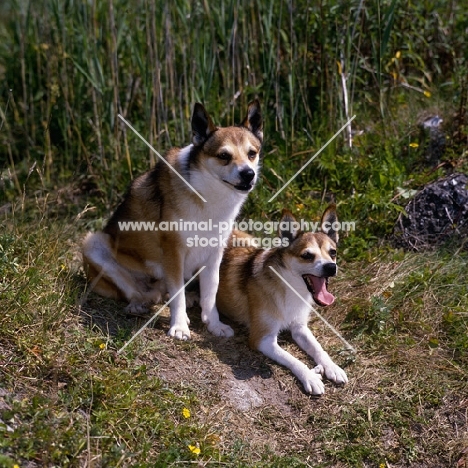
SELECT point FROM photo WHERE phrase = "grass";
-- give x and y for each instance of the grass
(67, 398)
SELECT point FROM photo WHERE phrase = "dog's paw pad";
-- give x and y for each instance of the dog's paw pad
(179, 332)
(221, 329)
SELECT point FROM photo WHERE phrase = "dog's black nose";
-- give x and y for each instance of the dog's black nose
(329, 269)
(247, 175)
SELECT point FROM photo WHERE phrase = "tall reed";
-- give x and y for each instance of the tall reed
(69, 68)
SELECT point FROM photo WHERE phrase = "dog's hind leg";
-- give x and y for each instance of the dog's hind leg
(151, 292)
(111, 279)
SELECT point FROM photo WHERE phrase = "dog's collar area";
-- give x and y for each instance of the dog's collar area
(318, 288)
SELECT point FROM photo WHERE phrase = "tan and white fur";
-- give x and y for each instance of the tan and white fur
(222, 164)
(251, 293)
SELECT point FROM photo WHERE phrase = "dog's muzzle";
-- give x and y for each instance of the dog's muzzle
(247, 177)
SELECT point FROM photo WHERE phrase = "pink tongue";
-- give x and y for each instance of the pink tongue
(322, 296)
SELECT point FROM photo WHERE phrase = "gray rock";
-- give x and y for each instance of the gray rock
(437, 214)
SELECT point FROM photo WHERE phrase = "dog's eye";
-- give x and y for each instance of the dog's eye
(252, 154)
(308, 256)
(332, 253)
(224, 156)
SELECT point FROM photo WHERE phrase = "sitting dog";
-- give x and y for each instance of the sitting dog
(252, 293)
(141, 265)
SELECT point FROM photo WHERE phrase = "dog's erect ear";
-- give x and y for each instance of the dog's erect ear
(328, 226)
(288, 226)
(253, 120)
(202, 125)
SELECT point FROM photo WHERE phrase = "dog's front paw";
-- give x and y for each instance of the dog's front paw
(180, 332)
(220, 329)
(335, 373)
(312, 381)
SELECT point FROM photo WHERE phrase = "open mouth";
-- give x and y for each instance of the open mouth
(318, 288)
(241, 187)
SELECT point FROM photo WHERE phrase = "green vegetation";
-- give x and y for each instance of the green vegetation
(68, 68)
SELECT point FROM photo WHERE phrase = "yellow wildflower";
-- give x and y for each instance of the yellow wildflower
(186, 413)
(102, 346)
(414, 144)
(398, 54)
(427, 94)
(194, 449)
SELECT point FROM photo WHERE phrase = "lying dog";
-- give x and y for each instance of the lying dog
(252, 293)
(140, 266)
